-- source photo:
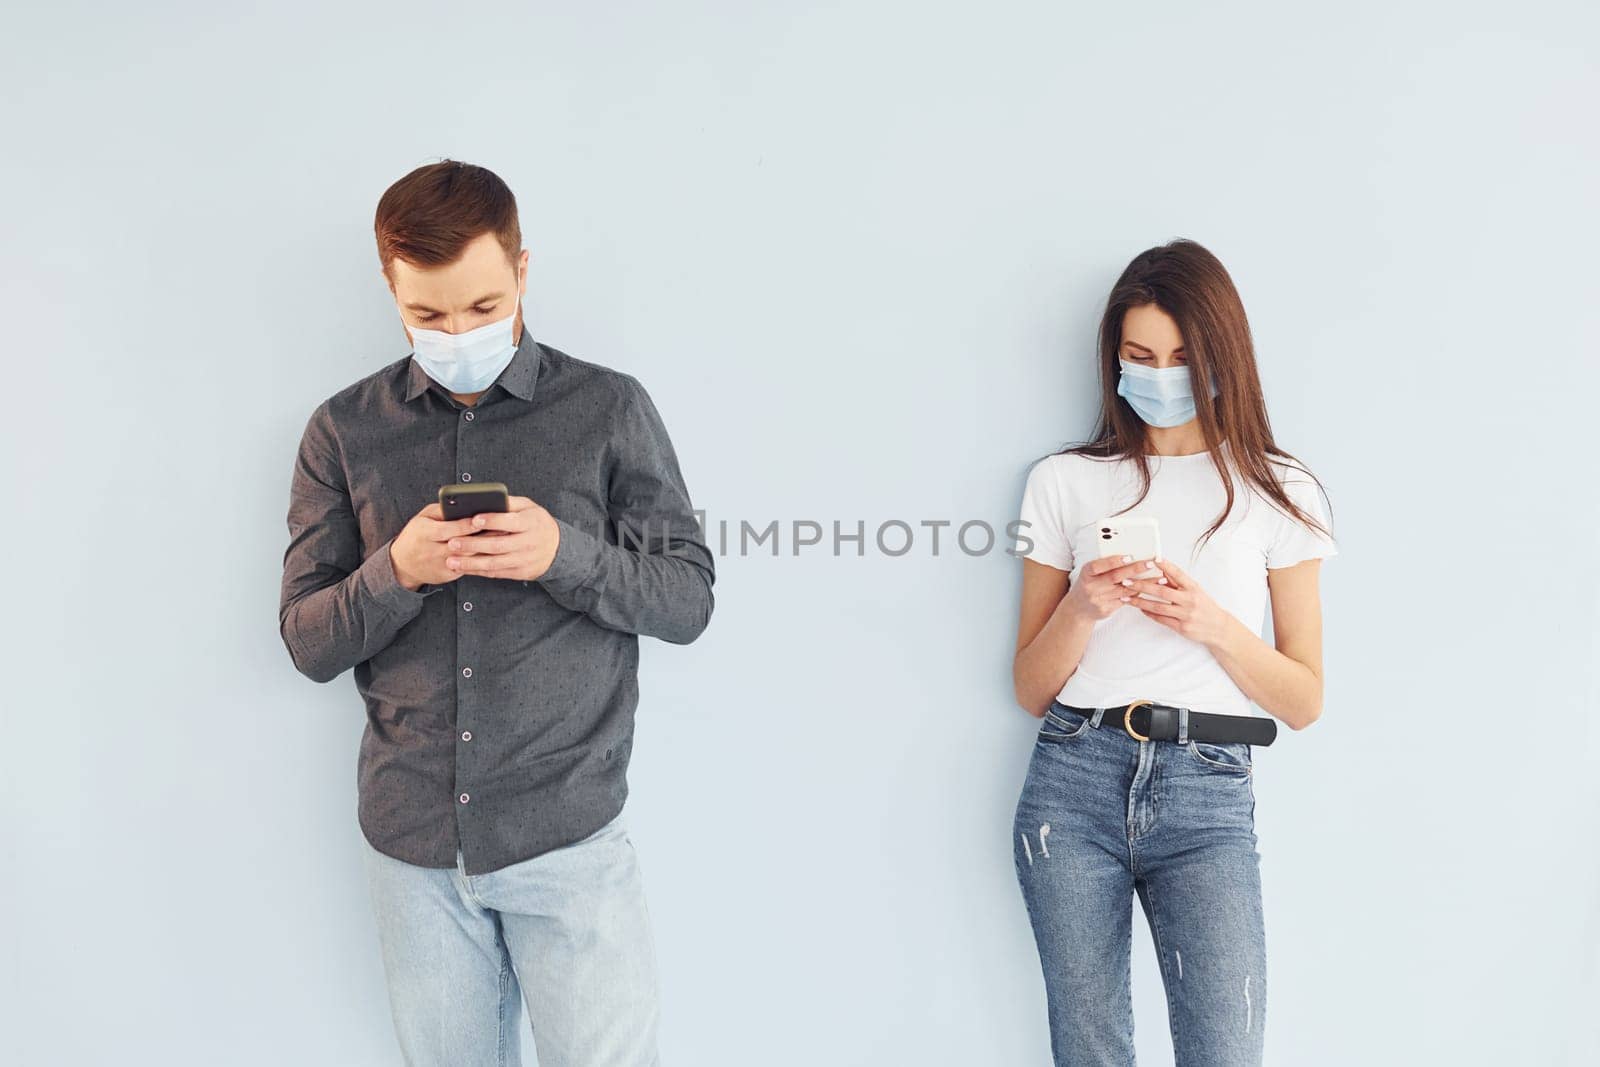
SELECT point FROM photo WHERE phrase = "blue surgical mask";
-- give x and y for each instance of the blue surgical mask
(466, 362)
(1161, 396)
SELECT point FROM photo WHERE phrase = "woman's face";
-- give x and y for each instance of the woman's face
(1150, 337)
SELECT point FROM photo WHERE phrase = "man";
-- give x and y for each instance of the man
(496, 654)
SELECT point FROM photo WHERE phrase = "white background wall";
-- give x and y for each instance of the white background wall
(856, 252)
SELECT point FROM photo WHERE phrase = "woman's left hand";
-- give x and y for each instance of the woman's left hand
(1192, 612)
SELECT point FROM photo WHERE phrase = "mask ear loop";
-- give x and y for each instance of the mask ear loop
(1183, 726)
(522, 306)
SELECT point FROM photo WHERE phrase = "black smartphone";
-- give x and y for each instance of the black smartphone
(468, 498)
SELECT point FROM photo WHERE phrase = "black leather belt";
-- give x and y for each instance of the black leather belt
(1146, 720)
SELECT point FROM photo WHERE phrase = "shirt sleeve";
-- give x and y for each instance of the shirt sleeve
(1294, 542)
(1044, 517)
(653, 575)
(335, 609)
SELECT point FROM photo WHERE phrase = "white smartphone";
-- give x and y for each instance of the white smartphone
(1138, 536)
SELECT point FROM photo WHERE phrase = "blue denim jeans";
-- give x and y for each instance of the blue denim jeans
(568, 930)
(1103, 817)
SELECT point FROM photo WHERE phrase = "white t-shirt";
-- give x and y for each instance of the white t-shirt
(1130, 656)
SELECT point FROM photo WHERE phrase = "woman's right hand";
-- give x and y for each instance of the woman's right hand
(1103, 587)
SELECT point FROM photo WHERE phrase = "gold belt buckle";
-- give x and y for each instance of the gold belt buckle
(1127, 720)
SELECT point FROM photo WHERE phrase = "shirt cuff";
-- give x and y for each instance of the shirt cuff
(379, 581)
(577, 554)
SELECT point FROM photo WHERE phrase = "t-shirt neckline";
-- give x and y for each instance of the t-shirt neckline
(1202, 454)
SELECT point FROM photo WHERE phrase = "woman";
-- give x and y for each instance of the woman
(1124, 796)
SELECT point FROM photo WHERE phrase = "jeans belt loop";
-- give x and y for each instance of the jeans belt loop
(1099, 713)
(1183, 726)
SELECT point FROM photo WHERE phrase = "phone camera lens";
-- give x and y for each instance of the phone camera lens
(1105, 537)
(1105, 529)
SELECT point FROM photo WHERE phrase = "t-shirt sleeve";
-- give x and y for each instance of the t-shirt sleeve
(1045, 517)
(1294, 542)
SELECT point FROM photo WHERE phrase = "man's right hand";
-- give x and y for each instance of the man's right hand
(419, 550)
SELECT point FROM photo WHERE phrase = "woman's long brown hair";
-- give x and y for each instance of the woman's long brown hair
(1190, 284)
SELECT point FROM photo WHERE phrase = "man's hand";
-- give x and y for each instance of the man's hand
(418, 552)
(519, 543)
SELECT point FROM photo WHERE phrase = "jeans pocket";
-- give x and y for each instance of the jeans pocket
(1062, 725)
(1230, 758)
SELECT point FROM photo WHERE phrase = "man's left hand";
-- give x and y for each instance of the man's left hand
(517, 543)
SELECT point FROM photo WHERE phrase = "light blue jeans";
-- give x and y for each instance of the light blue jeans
(1103, 817)
(567, 930)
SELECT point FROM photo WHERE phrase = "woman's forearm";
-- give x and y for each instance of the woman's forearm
(1043, 667)
(1283, 687)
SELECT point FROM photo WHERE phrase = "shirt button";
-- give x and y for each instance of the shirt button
(467, 606)
(466, 477)
(464, 798)
(466, 672)
(469, 416)
(466, 735)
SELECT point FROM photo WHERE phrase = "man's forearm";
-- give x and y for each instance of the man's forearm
(332, 629)
(665, 594)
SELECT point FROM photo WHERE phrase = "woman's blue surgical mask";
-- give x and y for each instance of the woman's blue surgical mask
(1161, 396)
(466, 362)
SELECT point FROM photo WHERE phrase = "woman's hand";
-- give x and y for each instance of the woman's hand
(1103, 586)
(1191, 612)
(1056, 618)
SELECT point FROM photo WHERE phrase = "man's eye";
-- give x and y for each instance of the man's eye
(430, 318)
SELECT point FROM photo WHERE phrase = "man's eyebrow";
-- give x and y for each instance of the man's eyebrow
(480, 300)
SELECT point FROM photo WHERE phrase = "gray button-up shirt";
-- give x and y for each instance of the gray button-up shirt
(499, 711)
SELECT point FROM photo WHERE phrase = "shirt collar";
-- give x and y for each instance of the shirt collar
(517, 379)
